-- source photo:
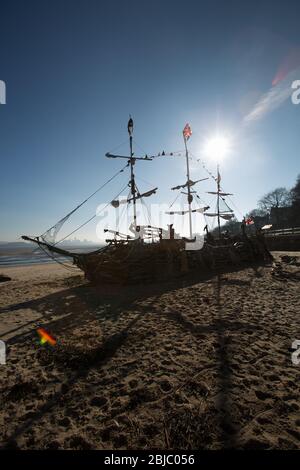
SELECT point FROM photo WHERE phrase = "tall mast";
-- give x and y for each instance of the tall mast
(190, 197)
(132, 179)
(226, 214)
(218, 200)
(135, 194)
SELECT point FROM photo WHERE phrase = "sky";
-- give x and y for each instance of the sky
(74, 70)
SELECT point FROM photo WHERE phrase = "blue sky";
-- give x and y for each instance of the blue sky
(74, 70)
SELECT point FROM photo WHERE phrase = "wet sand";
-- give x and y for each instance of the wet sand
(189, 364)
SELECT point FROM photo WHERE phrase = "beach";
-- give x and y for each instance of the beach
(188, 364)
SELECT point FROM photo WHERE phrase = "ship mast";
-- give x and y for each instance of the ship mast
(132, 178)
(218, 200)
(227, 213)
(187, 132)
(190, 197)
(135, 194)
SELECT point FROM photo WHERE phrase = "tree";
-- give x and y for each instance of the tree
(280, 197)
(257, 213)
(295, 192)
(233, 226)
(295, 196)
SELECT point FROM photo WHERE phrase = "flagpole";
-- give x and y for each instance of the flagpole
(190, 198)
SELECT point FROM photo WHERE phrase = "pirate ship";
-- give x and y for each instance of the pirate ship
(149, 253)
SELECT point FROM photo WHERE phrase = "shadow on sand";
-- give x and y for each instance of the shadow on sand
(76, 306)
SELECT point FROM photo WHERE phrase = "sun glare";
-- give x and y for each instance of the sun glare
(217, 147)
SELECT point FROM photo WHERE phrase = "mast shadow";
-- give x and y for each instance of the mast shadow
(228, 432)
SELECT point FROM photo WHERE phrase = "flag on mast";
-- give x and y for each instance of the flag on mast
(249, 221)
(130, 126)
(187, 132)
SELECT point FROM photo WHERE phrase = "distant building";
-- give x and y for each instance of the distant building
(281, 217)
(261, 220)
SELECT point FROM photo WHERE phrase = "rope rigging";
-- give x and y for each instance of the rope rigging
(214, 178)
(91, 218)
(68, 267)
(51, 233)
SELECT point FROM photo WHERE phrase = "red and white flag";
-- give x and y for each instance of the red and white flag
(249, 221)
(187, 132)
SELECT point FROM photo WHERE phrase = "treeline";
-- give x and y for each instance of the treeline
(280, 207)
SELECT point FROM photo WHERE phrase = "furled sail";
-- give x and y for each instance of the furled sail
(188, 183)
(224, 216)
(116, 203)
(146, 194)
(220, 193)
(200, 211)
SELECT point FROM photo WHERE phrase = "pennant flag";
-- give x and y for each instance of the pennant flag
(187, 132)
(218, 178)
(130, 126)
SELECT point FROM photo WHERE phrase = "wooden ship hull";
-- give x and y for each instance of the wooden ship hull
(137, 262)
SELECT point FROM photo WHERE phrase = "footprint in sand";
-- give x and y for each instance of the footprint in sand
(262, 395)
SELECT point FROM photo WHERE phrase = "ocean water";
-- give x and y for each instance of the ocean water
(24, 260)
(23, 257)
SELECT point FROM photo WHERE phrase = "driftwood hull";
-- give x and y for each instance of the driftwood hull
(137, 262)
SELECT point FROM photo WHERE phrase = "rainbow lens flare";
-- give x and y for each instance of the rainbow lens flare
(45, 337)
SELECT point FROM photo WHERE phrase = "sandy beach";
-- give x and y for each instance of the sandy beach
(193, 364)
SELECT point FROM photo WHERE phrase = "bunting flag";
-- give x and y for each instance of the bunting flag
(187, 132)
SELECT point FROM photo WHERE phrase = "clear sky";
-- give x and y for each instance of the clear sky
(74, 70)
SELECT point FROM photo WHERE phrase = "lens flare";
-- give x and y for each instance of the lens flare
(217, 147)
(45, 337)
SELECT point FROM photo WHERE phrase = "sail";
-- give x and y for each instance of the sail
(227, 216)
(223, 215)
(146, 194)
(50, 235)
(220, 193)
(116, 203)
(188, 183)
(200, 211)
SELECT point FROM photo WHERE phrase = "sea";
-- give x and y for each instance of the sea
(15, 256)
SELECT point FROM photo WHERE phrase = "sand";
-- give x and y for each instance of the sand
(190, 364)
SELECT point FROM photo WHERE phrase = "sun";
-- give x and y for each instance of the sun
(217, 147)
